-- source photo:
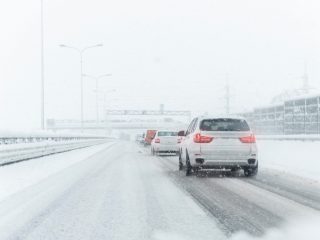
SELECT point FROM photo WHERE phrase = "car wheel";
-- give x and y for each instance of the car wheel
(180, 162)
(188, 166)
(251, 171)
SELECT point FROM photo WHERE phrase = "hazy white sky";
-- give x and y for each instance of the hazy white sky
(164, 51)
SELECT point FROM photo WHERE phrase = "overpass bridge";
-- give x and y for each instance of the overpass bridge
(128, 119)
(67, 124)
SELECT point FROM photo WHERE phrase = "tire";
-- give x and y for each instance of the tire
(188, 166)
(251, 171)
(180, 162)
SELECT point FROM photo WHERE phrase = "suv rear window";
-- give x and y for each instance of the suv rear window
(167, 134)
(224, 124)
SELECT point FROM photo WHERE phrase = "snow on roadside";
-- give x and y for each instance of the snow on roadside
(297, 230)
(295, 157)
(16, 177)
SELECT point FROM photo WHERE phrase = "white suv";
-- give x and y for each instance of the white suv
(218, 143)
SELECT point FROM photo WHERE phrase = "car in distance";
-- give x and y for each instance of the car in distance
(139, 138)
(165, 142)
(148, 136)
(218, 143)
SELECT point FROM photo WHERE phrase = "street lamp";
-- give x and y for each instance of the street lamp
(42, 65)
(97, 92)
(81, 51)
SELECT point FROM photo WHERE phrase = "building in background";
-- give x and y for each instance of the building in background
(295, 115)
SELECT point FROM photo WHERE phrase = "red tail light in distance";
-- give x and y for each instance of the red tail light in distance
(248, 139)
(198, 138)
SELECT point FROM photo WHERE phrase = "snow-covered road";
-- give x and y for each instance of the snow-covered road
(253, 205)
(119, 191)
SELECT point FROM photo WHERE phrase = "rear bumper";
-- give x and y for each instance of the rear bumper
(166, 148)
(166, 153)
(228, 162)
(173, 148)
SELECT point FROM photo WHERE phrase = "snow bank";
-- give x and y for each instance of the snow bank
(302, 229)
(15, 178)
(296, 157)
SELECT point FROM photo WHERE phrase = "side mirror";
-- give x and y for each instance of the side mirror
(181, 133)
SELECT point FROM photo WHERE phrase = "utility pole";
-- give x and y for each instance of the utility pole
(42, 66)
(227, 96)
(96, 78)
(81, 51)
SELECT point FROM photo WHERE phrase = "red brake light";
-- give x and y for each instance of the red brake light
(157, 140)
(248, 139)
(198, 138)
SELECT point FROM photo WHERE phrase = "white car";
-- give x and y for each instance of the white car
(218, 143)
(165, 142)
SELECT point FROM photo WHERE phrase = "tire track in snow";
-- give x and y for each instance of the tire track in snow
(268, 203)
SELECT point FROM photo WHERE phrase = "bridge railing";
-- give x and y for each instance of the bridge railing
(25, 137)
(296, 137)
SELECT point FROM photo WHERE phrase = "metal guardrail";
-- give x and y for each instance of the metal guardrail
(32, 138)
(12, 154)
(289, 137)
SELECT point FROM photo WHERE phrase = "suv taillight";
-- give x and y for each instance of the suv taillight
(248, 139)
(157, 140)
(198, 138)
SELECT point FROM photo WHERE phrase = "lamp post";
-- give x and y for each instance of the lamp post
(81, 51)
(42, 65)
(96, 78)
